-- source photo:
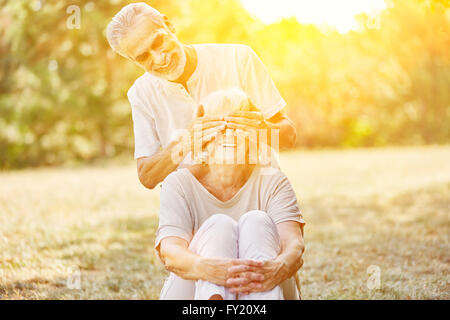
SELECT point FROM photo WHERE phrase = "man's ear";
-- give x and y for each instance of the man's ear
(168, 24)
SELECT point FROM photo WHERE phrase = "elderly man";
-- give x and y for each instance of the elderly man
(165, 99)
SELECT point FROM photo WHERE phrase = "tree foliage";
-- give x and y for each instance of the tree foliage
(63, 91)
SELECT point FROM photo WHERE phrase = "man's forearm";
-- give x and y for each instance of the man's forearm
(287, 133)
(152, 170)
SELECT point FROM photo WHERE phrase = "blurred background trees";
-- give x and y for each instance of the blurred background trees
(63, 91)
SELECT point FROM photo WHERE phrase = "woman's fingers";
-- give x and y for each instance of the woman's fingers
(243, 265)
(244, 278)
(236, 282)
(246, 289)
(247, 262)
(239, 269)
(247, 269)
(252, 276)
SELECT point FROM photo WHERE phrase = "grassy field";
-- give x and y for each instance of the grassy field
(88, 233)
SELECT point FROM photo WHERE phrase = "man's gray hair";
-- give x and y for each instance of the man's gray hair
(124, 20)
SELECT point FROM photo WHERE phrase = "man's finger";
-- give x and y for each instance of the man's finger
(208, 138)
(246, 134)
(208, 124)
(210, 118)
(249, 114)
(233, 125)
(246, 121)
(207, 132)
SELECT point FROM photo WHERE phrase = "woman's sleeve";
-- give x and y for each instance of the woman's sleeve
(175, 218)
(282, 204)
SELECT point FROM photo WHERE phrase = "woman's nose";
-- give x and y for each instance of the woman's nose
(229, 135)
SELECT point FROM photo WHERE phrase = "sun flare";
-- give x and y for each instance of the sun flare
(335, 13)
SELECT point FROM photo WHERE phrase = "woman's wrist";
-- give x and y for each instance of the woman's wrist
(199, 267)
(284, 270)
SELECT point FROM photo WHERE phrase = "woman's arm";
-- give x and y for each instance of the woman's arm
(274, 271)
(292, 248)
(177, 258)
(188, 265)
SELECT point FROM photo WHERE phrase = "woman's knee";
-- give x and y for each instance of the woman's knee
(218, 236)
(255, 217)
(221, 225)
(221, 220)
(258, 236)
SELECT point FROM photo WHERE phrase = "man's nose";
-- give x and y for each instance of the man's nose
(169, 45)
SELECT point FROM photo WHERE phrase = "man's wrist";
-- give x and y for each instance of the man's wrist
(177, 151)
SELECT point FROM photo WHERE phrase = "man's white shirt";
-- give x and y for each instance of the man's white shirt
(161, 108)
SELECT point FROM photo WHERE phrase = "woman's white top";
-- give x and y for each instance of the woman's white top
(186, 203)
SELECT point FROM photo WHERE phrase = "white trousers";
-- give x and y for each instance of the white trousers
(254, 236)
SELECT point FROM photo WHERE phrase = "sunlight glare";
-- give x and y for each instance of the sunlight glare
(335, 13)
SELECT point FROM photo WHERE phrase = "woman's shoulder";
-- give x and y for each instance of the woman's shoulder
(271, 177)
(175, 180)
(269, 173)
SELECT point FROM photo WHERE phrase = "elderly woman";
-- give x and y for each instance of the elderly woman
(228, 229)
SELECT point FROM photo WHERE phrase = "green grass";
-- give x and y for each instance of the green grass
(388, 208)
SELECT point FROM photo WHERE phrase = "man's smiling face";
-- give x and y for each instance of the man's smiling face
(154, 47)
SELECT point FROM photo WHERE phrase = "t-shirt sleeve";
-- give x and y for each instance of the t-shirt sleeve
(175, 218)
(257, 83)
(146, 141)
(282, 204)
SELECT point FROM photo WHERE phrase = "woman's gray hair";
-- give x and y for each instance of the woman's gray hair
(226, 101)
(125, 19)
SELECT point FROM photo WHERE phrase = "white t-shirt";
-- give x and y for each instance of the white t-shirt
(160, 108)
(186, 204)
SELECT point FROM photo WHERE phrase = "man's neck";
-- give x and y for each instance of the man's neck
(191, 65)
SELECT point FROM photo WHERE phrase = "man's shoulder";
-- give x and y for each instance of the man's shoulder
(144, 83)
